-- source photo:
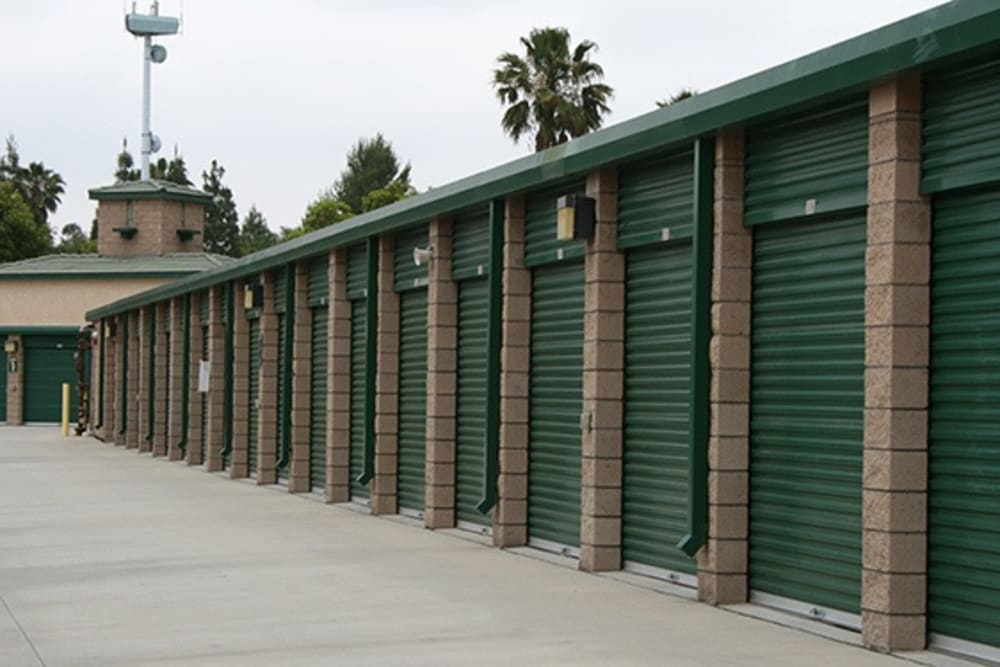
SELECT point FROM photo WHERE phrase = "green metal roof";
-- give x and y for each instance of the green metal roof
(149, 189)
(95, 266)
(930, 38)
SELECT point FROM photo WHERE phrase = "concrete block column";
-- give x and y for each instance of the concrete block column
(897, 318)
(175, 363)
(603, 382)
(94, 387)
(338, 386)
(15, 382)
(216, 381)
(722, 563)
(510, 516)
(384, 500)
(120, 385)
(143, 368)
(193, 456)
(442, 360)
(298, 475)
(238, 463)
(161, 367)
(109, 357)
(132, 380)
(267, 431)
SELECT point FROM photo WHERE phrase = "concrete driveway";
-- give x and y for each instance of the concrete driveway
(110, 558)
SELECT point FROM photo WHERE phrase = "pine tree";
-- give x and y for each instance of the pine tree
(222, 222)
(255, 234)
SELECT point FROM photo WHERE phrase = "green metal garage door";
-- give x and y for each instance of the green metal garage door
(807, 401)
(357, 465)
(253, 399)
(470, 426)
(3, 391)
(412, 397)
(317, 412)
(556, 401)
(657, 403)
(204, 400)
(964, 500)
(48, 363)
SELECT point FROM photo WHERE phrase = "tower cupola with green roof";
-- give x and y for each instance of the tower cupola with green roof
(149, 218)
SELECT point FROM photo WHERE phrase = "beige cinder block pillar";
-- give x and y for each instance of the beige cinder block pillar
(386, 385)
(120, 386)
(216, 381)
(15, 383)
(109, 357)
(238, 463)
(146, 333)
(338, 387)
(298, 475)
(897, 316)
(96, 359)
(161, 367)
(510, 516)
(267, 431)
(603, 382)
(442, 360)
(175, 370)
(133, 380)
(722, 564)
(193, 456)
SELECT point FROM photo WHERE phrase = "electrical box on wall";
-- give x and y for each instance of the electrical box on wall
(574, 217)
(253, 296)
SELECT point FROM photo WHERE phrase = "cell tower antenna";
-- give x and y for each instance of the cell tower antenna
(148, 26)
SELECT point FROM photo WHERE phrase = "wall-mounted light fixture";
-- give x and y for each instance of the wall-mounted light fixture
(422, 256)
(10, 347)
(253, 296)
(574, 217)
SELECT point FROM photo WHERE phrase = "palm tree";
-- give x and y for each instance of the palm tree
(42, 188)
(553, 92)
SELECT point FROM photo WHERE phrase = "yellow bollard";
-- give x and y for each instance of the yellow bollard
(65, 409)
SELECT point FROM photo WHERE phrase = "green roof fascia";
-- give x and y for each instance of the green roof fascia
(101, 275)
(141, 190)
(920, 40)
(34, 330)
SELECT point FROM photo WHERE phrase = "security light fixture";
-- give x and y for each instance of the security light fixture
(574, 217)
(10, 347)
(422, 256)
(253, 296)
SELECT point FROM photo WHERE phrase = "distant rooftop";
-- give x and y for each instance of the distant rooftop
(97, 266)
(149, 189)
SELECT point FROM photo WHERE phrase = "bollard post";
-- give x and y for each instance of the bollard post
(65, 409)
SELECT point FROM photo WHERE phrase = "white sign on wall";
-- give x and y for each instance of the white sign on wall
(203, 370)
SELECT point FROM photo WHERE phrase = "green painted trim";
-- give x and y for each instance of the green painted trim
(14, 330)
(151, 370)
(227, 371)
(916, 42)
(185, 374)
(285, 414)
(100, 375)
(494, 340)
(157, 195)
(371, 359)
(937, 184)
(102, 275)
(124, 333)
(701, 336)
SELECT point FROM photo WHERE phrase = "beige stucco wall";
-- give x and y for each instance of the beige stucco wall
(49, 302)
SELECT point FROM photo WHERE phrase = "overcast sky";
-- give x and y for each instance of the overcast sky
(277, 91)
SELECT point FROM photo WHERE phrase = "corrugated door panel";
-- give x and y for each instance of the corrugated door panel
(470, 244)
(204, 398)
(470, 426)
(357, 271)
(961, 126)
(807, 408)
(318, 283)
(819, 157)
(412, 397)
(254, 394)
(357, 464)
(203, 307)
(964, 501)
(3, 392)
(655, 199)
(540, 244)
(317, 399)
(657, 406)
(408, 275)
(280, 285)
(280, 395)
(555, 404)
(48, 363)
(166, 384)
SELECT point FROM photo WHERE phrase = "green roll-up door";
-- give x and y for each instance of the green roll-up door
(3, 392)
(412, 397)
(357, 457)
(657, 406)
(470, 426)
(964, 484)
(280, 397)
(318, 282)
(556, 401)
(317, 399)
(48, 363)
(254, 398)
(203, 304)
(470, 244)
(204, 397)
(806, 414)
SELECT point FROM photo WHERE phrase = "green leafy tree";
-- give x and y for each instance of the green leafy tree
(390, 194)
(255, 234)
(679, 96)
(74, 241)
(222, 222)
(325, 212)
(21, 237)
(39, 187)
(172, 171)
(553, 92)
(372, 164)
(126, 163)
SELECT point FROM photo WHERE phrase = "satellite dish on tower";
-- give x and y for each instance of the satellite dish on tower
(154, 144)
